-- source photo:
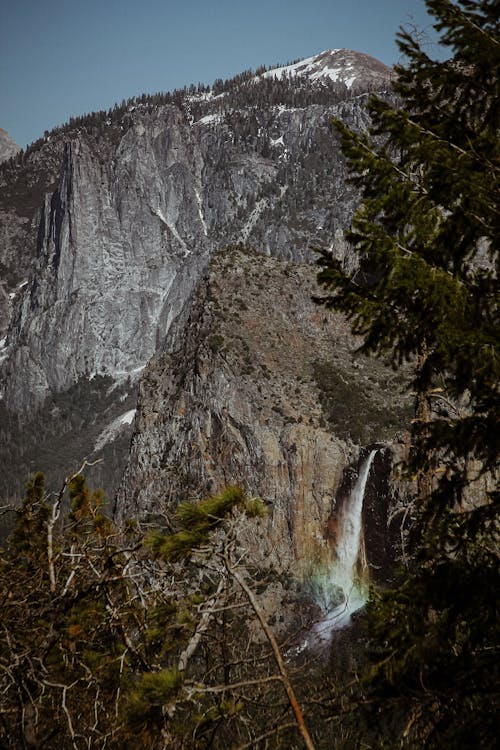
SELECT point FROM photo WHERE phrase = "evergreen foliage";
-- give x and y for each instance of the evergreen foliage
(426, 290)
(104, 647)
(198, 520)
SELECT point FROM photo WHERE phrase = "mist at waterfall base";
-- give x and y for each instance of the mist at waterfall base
(342, 589)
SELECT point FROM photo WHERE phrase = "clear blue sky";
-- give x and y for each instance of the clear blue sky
(60, 58)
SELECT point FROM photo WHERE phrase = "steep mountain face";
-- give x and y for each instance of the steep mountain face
(265, 390)
(108, 229)
(8, 147)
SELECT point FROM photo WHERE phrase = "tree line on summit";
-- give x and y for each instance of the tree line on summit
(245, 90)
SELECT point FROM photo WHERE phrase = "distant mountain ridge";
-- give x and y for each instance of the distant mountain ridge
(323, 78)
(8, 147)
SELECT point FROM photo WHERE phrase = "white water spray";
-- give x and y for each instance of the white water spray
(348, 587)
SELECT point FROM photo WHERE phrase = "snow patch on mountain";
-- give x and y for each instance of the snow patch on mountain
(113, 429)
(4, 353)
(200, 212)
(339, 65)
(207, 119)
(277, 141)
(171, 225)
(307, 67)
(13, 295)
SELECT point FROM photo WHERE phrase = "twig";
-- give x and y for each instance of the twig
(271, 733)
(276, 651)
(202, 626)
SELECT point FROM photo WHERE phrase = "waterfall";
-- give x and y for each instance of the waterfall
(345, 591)
(350, 527)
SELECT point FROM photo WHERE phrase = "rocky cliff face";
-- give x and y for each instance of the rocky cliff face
(108, 229)
(103, 287)
(241, 399)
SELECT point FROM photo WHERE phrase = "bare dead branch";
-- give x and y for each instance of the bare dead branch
(276, 651)
(200, 629)
(271, 733)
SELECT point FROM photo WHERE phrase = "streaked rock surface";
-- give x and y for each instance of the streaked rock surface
(240, 399)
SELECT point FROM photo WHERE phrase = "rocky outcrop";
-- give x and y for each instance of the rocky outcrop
(24, 183)
(239, 400)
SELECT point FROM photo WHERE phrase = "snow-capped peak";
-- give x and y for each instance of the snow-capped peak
(339, 65)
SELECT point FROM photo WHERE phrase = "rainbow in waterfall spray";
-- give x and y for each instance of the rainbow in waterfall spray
(343, 588)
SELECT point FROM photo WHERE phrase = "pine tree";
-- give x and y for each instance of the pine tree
(71, 621)
(426, 290)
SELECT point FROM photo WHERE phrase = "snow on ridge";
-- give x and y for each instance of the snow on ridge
(206, 119)
(112, 430)
(4, 351)
(12, 295)
(207, 96)
(303, 67)
(171, 225)
(339, 65)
